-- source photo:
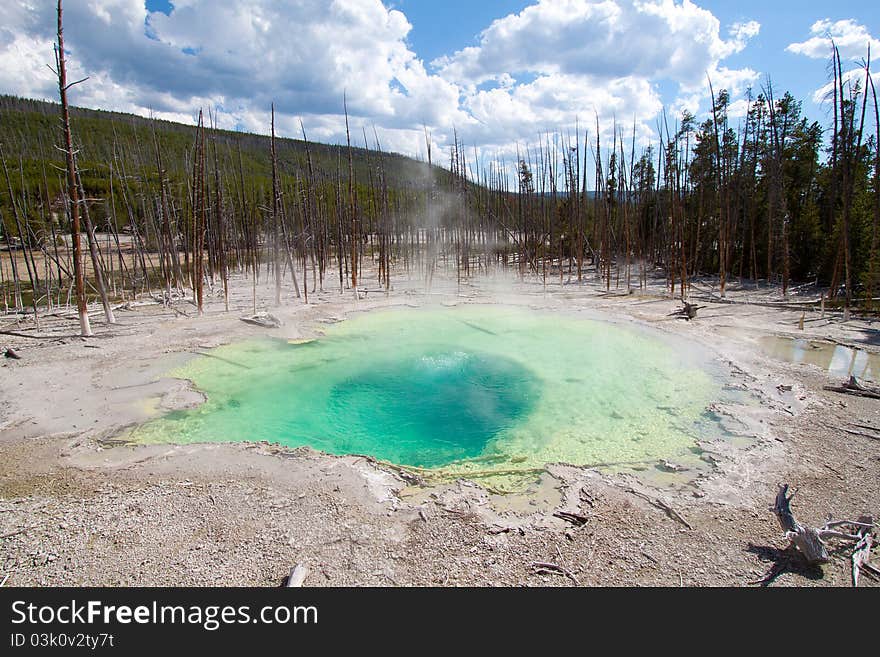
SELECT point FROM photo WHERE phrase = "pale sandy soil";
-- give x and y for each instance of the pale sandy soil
(76, 509)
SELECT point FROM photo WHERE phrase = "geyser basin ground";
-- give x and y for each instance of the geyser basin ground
(471, 388)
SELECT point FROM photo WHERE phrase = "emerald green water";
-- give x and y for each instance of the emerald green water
(467, 388)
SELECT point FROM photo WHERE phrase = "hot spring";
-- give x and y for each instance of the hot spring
(469, 388)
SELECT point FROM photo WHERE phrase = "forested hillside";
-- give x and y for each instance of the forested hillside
(138, 176)
(770, 197)
(30, 134)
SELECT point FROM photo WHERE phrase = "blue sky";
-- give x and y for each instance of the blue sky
(441, 28)
(500, 73)
(783, 23)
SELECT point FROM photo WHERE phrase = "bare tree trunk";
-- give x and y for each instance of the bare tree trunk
(275, 194)
(96, 261)
(722, 206)
(352, 208)
(21, 239)
(872, 271)
(72, 196)
(221, 242)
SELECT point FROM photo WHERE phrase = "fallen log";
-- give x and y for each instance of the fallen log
(544, 567)
(865, 426)
(660, 504)
(810, 542)
(805, 539)
(297, 576)
(688, 312)
(26, 335)
(574, 518)
(853, 432)
(853, 387)
(862, 551)
(266, 320)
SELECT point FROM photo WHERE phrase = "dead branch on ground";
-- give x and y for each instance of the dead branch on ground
(853, 387)
(688, 312)
(660, 504)
(546, 568)
(575, 519)
(297, 576)
(266, 320)
(811, 542)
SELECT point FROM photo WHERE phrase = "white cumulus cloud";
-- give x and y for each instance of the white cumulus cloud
(552, 66)
(851, 38)
(574, 58)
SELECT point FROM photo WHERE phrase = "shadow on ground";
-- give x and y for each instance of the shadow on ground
(781, 562)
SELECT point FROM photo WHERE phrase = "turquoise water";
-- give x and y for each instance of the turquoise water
(467, 388)
(428, 409)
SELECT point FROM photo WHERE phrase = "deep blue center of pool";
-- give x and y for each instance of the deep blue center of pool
(431, 409)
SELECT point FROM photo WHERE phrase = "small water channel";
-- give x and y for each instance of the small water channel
(837, 360)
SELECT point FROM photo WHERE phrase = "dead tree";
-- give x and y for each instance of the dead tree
(218, 219)
(275, 212)
(93, 252)
(23, 244)
(811, 542)
(351, 207)
(266, 320)
(688, 312)
(200, 216)
(853, 387)
(72, 195)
